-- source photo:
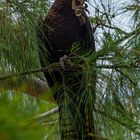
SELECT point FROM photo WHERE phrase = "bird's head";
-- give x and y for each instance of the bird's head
(80, 6)
(79, 3)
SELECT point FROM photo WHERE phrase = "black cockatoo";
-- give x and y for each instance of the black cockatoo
(65, 24)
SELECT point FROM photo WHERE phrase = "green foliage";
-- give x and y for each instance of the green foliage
(114, 79)
(17, 28)
(17, 124)
(18, 118)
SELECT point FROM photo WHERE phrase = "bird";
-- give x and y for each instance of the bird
(65, 24)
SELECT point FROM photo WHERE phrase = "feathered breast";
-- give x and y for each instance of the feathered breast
(66, 28)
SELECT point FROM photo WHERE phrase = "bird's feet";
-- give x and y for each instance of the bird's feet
(63, 61)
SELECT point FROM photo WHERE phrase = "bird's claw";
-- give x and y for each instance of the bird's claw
(63, 60)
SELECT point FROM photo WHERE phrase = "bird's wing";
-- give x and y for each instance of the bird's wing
(89, 35)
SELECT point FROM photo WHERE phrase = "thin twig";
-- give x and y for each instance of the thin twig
(54, 66)
(117, 67)
(46, 114)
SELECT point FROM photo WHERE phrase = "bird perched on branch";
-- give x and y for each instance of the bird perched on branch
(65, 24)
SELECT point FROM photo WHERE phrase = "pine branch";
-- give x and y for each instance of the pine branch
(123, 123)
(57, 67)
